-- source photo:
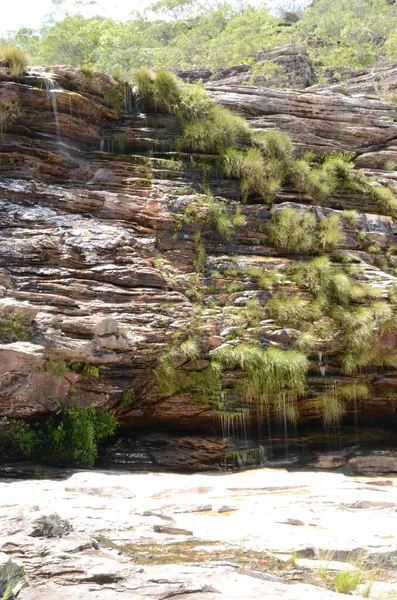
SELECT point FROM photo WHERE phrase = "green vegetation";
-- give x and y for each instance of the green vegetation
(12, 580)
(70, 437)
(273, 377)
(286, 310)
(267, 372)
(14, 58)
(292, 230)
(8, 113)
(85, 369)
(218, 130)
(295, 230)
(156, 91)
(180, 35)
(346, 582)
(128, 399)
(15, 327)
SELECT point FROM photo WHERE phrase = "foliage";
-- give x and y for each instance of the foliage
(257, 175)
(193, 103)
(70, 437)
(275, 144)
(218, 130)
(341, 33)
(114, 98)
(331, 406)
(12, 580)
(292, 230)
(166, 92)
(14, 327)
(14, 58)
(346, 582)
(286, 310)
(330, 232)
(267, 372)
(144, 88)
(295, 230)
(57, 368)
(8, 113)
(85, 369)
(128, 399)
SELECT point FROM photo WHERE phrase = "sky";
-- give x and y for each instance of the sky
(31, 13)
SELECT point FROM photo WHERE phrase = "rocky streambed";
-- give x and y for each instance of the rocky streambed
(253, 534)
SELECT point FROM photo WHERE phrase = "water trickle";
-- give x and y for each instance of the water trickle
(52, 88)
(102, 145)
(322, 363)
(128, 99)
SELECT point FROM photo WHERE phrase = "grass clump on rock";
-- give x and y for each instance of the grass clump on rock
(156, 91)
(218, 130)
(14, 58)
(295, 230)
(292, 230)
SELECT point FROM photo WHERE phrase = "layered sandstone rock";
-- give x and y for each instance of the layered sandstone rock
(91, 255)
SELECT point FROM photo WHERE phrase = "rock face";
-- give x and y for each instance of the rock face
(96, 276)
(287, 66)
(156, 536)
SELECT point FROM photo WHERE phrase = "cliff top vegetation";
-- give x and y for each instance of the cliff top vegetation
(187, 34)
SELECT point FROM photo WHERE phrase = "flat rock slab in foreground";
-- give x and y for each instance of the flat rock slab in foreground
(127, 533)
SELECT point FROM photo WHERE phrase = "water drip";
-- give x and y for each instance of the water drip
(322, 363)
(243, 458)
(128, 99)
(51, 88)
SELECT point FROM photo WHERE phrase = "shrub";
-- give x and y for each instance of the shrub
(346, 582)
(15, 327)
(25, 439)
(144, 87)
(321, 184)
(316, 182)
(298, 174)
(292, 230)
(384, 198)
(193, 103)
(286, 310)
(56, 367)
(275, 144)
(69, 437)
(114, 98)
(339, 168)
(14, 58)
(8, 113)
(166, 92)
(330, 232)
(331, 406)
(85, 369)
(351, 217)
(340, 287)
(208, 210)
(74, 435)
(258, 175)
(218, 130)
(315, 274)
(267, 372)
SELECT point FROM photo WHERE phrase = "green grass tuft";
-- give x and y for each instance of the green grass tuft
(14, 58)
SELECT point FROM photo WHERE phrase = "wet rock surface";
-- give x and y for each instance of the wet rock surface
(162, 536)
(92, 256)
